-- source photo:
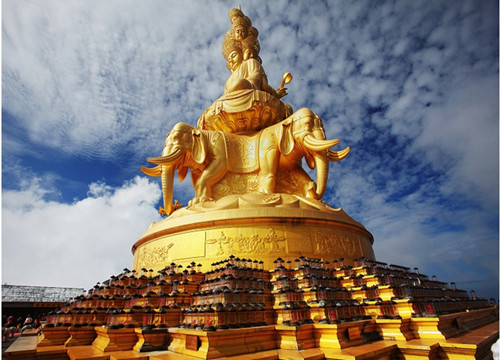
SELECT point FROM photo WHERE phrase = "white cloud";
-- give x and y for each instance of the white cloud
(73, 245)
(462, 137)
(94, 78)
(100, 79)
(98, 75)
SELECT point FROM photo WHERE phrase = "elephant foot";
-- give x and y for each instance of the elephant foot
(266, 184)
(311, 194)
(266, 188)
(200, 199)
(264, 191)
(311, 190)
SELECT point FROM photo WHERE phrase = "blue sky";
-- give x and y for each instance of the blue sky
(90, 88)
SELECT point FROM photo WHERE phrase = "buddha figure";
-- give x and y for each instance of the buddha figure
(249, 103)
(246, 74)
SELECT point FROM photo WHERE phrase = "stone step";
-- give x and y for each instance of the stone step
(380, 350)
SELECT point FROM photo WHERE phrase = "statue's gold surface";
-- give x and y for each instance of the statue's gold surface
(265, 139)
(252, 196)
(253, 226)
(278, 147)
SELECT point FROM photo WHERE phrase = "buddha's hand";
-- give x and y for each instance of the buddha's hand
(281, 92)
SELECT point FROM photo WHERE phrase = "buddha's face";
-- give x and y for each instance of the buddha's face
(240, 33)
(234, 60)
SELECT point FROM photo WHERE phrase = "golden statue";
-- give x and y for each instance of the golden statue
(250, 122)
(245, 156)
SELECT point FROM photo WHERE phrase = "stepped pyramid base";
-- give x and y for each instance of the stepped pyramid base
(305, 304)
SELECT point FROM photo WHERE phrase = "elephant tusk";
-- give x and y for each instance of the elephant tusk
(337, 155)
(318, 145)
(156, 171)
(167, 159)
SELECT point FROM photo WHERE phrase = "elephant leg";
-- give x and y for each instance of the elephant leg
(268, 170)
(212, 174)
(306, 184)
(267, 182)
(202, 192)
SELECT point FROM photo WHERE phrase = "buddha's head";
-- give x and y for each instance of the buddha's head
(240, 32)
(232, 52)
(241, 37)
(237, 18)
(234, 59)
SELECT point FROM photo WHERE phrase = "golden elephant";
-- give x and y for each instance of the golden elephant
(212, 154)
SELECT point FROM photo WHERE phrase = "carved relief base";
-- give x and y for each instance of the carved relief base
(253, 226)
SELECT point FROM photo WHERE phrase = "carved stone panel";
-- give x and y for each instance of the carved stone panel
(159, 253)
(250, 244)
(152, 255)
(335, 243)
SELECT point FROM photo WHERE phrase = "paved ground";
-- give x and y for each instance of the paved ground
(7, 342)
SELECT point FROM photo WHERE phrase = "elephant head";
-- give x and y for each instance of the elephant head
(304, 129)
(184, 148)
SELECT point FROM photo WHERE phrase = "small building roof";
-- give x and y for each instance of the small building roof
(25, 293)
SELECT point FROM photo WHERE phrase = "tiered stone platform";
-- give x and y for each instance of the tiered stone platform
(238, 344)
(238, 310)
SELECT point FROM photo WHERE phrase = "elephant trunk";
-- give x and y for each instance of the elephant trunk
(167, 185)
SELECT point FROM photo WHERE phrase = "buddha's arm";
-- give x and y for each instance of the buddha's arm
(255, 74)
(268, 88)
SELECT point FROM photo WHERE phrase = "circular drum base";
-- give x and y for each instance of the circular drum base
(252, 227)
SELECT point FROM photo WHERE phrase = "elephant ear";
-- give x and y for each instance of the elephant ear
(198, 151)
(287, 142)
(182, 172)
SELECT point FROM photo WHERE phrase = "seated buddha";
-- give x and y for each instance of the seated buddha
(249, 103)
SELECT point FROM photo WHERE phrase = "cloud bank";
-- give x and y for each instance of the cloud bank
(90, 89)
(78, 244)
